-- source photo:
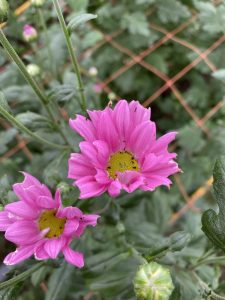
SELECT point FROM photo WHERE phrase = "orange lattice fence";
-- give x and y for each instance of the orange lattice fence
(168, 84)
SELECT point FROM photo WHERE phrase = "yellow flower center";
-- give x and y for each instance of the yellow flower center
(120, 162)
(49, 220)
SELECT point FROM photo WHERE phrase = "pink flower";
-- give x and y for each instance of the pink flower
(29, 33)
(120, 151)
(97, 88)
(39, 225)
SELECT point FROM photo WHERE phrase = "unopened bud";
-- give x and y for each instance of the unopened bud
(38, 3)
(97, 88)
(29, 33)
(153, 281)
(4, 10)
(64, 187)
(93, 71)
(33, 70)
(112, 96)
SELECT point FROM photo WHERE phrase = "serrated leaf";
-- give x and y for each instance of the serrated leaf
(213, 224)
(33, 120)
(78, 20)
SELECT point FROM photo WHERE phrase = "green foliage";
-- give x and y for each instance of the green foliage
(212, 223)
(133, 223)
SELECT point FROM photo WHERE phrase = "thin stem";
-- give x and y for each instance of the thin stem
(14, 56)
(21, 276)
(24, 129)
(47, 40)
(72, 54)
(43, 99)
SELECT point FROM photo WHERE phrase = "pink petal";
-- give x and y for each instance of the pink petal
(154, 181)
(58, 198)
(54, 246)
(114, 188)
(121, 115)
(4, 221)
(102, 152)
(162, 143)
(40, 253)
(46, 202)
(22, 209)
(107, 131)
(130, 180)
(19, 255)
(102, 177)
(69, 212)
(23, 232)
(79, 166)
(142, 138)
(90, 153)
(84, 127)
(138, 113)
(87, 220)
(70, 227)
(89, 187)
(73, 257)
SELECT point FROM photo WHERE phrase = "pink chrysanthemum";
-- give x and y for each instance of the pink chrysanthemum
(29, 33)
(120, 151)
(39, 225)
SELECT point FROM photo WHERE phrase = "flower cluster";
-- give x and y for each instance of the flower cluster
(120, 151)
(39, 225)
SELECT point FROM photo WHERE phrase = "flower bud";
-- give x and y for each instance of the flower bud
(38, 3)
(4, 10)
(29, 33)
(33, 70)
(93, 71)
(153, 281)
(112, 96)
(97, 88)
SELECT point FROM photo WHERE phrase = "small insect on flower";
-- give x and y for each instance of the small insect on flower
(120, 151)
(39, 225)
(153, 281)
(29, 33)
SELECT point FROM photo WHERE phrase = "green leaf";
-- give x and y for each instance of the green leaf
(59, 282)
(136, 23)
(211, 17)
(172, 11)
(78, 20)
(213, 224)
(219, 74)
(33, 120)
(3, 102)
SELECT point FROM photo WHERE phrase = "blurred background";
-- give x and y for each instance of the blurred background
(169, 55)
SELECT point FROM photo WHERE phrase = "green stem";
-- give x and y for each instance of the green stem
(44, 100)
(21, 277)
(14, 56)
(24, 129)
(47, 40)
(72, 54)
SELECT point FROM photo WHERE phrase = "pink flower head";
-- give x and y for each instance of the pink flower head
(39, 225)
(97, 88)
(120, 151)
(29, 33)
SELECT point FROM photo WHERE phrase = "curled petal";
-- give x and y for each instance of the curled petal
(19, 255)
(73, 257)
